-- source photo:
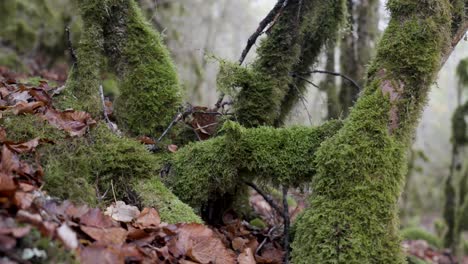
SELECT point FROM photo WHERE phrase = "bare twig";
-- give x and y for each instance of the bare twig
(113, 127)
(267, 198)
(286, 224)
(306, 80)
(70, 47)
(174, 121)
(334, 74)
(263, 24)
(113, 191)
(270, 232)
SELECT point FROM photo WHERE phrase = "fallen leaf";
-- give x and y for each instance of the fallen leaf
(67, 236)
(172, 148)
(26, 108)
(246, 257)
(95, 218)
(7, 242)
(149, 218)
(99, 254)
(113, 235)
(122, 212)
(239, 243)
(24, 147)
(146, 140)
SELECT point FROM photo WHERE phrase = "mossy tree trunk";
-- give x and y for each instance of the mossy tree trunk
(360, 171)
(115, 37)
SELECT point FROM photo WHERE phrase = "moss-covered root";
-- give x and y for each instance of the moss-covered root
(149, 90)
(82, 91)
(212, 168)
(90, 169)
(360, 171)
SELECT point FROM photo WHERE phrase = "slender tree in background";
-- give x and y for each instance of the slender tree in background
(456, 185)
(357, 47)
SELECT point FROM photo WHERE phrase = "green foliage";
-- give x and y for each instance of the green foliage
(415, 233)
(459, 132)
(218, 166)
(149, 89)
(415, 260)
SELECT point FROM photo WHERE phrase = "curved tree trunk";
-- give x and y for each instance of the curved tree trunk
(353, 209)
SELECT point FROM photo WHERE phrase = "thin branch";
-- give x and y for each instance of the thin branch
(176, 119)
(286, 224)
(280, 5)
(305, 79)
(113, 127)
(304, 103)
(267, 198)
(261, 27)
(336, 74)
(70, 47)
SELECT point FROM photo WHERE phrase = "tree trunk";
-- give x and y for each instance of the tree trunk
(360, 171)
(357, 48)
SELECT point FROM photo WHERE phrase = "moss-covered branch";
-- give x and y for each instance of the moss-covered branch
(209, 169)
(360, 171)
(293, 45)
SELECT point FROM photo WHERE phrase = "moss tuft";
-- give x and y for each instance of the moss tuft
(149, 88)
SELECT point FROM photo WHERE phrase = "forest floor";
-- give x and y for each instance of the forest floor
(36, 228)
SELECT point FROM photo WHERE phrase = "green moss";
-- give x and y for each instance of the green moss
(259, 223)
(415, 260)
(218, 166)
(82, 169)
(82, 91)
(414, 233)
(153, 193)
(149, 89)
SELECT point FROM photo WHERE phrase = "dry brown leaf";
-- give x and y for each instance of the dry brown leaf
(122, 212)
(23, 200)
(40, 95)
(149, 218)
(7, 242)
(99, 254)
(173, 148)
(7, 184)
(24, 147)
(239, 243)
(246, 257)
(113, 235)
(73, 122)
(146, 140)
(95, 218)
(26, 108)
